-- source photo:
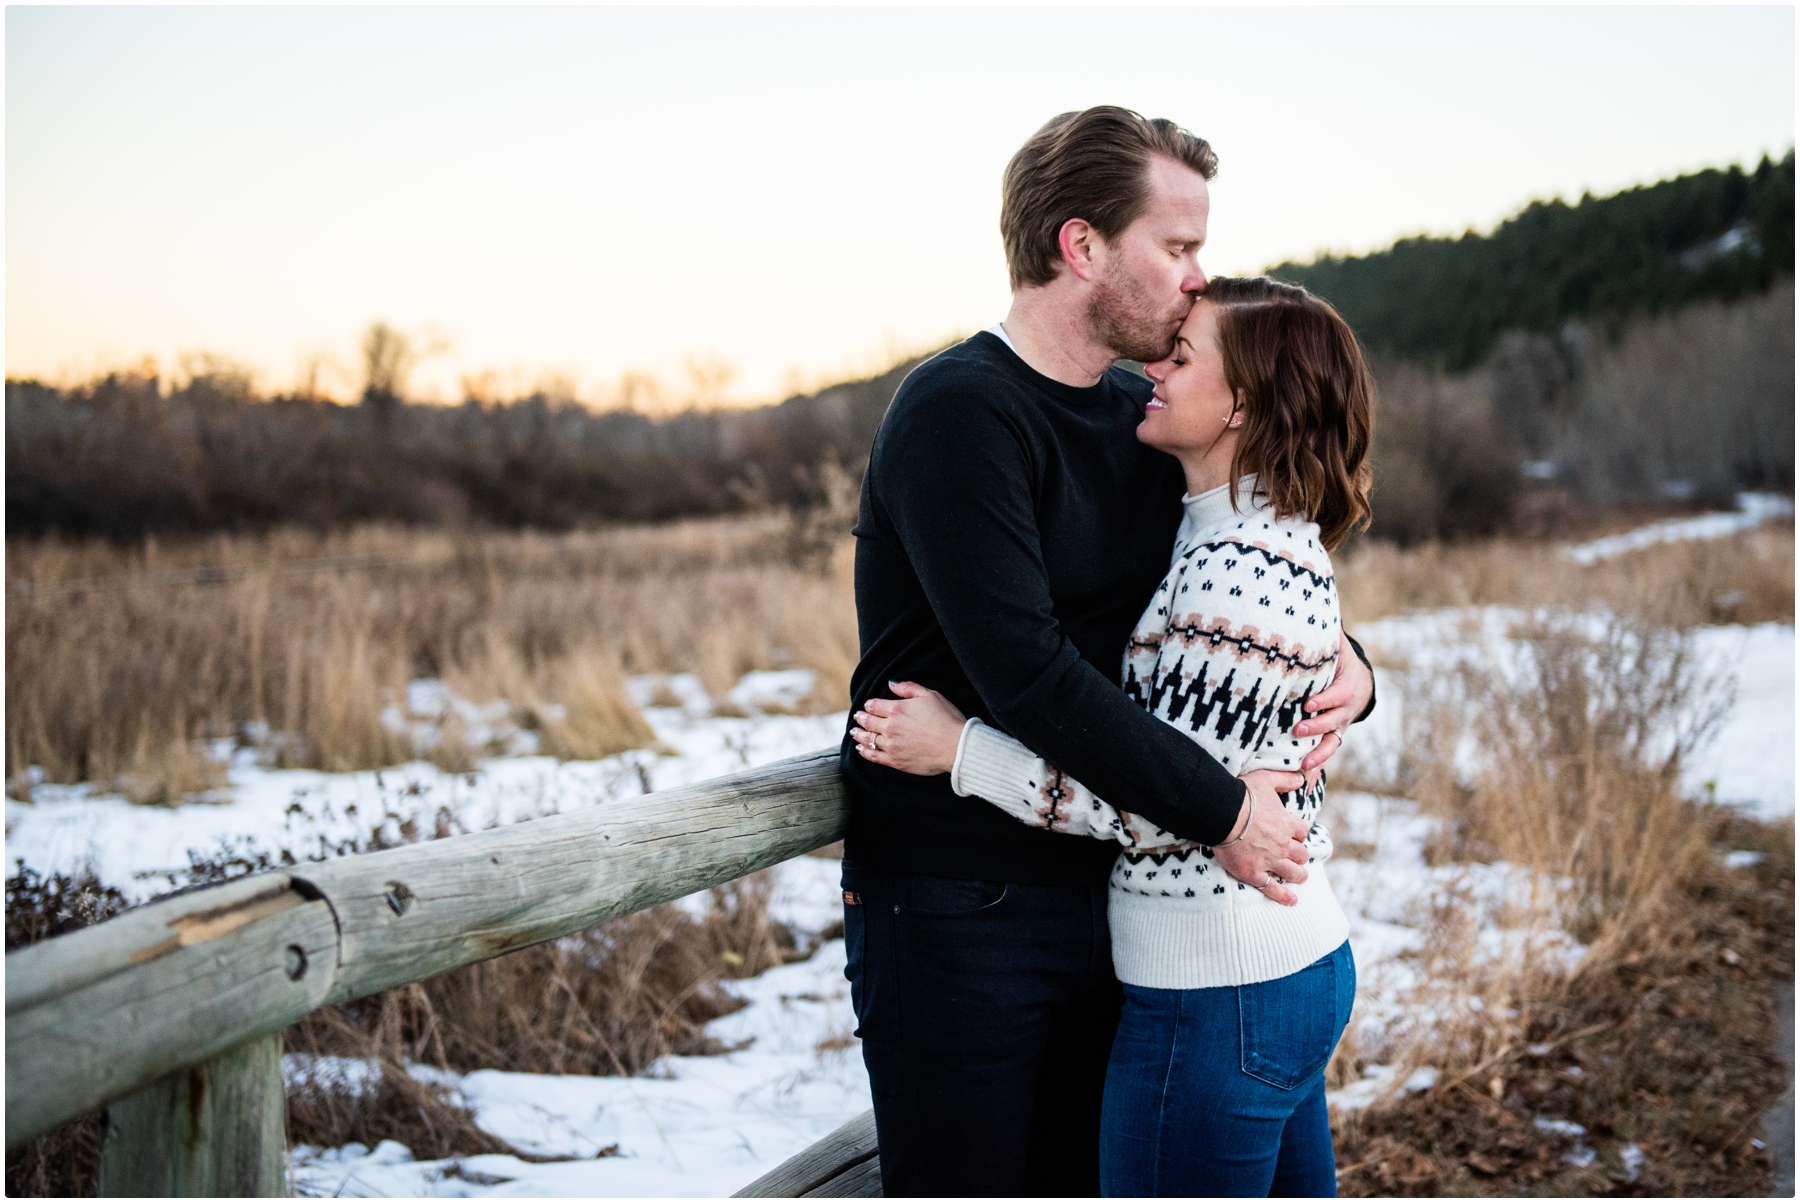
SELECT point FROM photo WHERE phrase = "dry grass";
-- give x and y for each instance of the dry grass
(119, 661)
(1578, 786)
(614, 1000)
(1746, 578)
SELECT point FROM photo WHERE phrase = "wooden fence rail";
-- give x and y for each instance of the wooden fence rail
(116, 1009)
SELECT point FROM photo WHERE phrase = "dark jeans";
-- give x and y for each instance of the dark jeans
(1222, 1091)
(986, 1012)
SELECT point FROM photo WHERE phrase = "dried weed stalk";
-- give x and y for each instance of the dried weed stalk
(1562, 765)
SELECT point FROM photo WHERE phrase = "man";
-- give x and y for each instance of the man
(1012, 528)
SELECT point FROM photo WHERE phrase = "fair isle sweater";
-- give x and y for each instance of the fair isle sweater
(1240, 633)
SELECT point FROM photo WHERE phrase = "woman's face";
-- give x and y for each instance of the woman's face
(1192, 406)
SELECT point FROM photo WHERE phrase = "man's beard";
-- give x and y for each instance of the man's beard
(1126, 322)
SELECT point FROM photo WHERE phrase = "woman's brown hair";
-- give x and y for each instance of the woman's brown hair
(1308, 399)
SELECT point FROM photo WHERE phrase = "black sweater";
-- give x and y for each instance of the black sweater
(1011, 531)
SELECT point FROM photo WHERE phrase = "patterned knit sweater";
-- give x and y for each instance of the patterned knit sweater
(1240, 633)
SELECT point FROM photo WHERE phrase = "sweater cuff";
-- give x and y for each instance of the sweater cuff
(990, 764)
(962, 745)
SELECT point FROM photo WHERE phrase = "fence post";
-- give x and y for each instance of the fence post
(218, 1129)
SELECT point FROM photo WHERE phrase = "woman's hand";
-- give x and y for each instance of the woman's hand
(917, 734)
(1272, 855)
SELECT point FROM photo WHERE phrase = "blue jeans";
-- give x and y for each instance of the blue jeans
(1222, 1091)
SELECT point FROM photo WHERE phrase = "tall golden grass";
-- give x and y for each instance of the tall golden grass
(119, 662)
(1745, 578)
(1574, 783)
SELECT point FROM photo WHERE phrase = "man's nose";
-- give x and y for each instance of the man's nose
(1195, 284)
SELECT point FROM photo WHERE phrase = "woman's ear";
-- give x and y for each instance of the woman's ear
(1237, 414)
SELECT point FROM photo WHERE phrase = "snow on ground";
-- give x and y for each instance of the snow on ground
(1748, 764)
(1753, 510)
(698, 1126)
(137, 847)
(710, 1125)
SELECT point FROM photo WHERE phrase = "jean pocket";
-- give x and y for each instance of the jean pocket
(1290, 1025)
(945, 896)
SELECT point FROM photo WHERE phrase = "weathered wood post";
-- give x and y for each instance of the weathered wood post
(844, 1165)
(215, 1130)
(170, 1015)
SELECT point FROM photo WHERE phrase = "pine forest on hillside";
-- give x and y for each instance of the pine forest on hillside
(1713, 235)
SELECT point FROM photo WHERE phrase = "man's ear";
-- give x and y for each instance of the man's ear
(1077, 239)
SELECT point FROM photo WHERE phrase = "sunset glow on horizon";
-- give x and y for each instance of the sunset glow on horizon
(741, 203)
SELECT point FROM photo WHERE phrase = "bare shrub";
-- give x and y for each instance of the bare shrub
(39, 907)
(1569, 870)
(333, 1102)
(64, 1161)
(1444, 469)
(1563, 765)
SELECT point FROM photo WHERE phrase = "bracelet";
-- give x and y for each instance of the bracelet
(1248, 819)
(962, 741)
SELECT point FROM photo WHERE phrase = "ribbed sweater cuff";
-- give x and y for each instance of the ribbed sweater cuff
(990, 765)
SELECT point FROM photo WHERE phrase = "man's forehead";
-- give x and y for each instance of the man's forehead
(1178, 194)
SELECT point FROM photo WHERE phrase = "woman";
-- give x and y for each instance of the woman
(1233, 1002)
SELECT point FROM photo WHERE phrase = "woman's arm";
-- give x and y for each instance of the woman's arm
(923, 733)
(999, 769)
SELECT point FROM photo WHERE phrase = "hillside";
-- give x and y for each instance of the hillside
(1712, 235)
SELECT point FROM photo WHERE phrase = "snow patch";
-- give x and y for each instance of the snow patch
(1753, 510)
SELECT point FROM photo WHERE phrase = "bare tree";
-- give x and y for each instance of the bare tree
(388, 356)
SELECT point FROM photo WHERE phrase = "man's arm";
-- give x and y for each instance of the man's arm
(959, 499)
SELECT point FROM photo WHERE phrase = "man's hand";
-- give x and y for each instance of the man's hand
(1336, 706)
(1272, 853)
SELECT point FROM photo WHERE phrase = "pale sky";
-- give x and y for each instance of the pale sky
(797, 194)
